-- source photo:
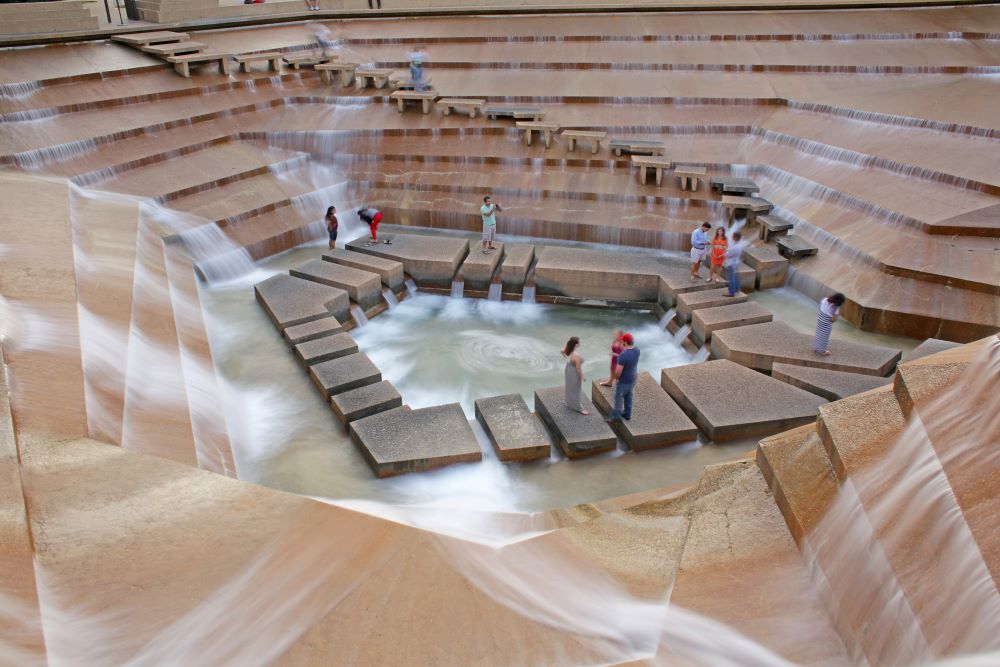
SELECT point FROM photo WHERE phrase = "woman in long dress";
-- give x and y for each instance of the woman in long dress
(616, 349)
(574, 375)
(829, 310)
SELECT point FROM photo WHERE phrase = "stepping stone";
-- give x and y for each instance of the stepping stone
(929, 347)
(515, 432)
(345, 373)
(478, 269)
(323, 349)
(771, 226)
(770, 268)
(728, 401)
(795, 246)
(677, 282)
(831, 385)
(289, 301)
(516, 263)
(365, 401)
(758, 346)
(577, 435)
(302, 333)
(656, 420)
(389, 271)
(364, 287)
(601, 274)
(402, 440)
(710, 298)
(707, 320)
(430, 260)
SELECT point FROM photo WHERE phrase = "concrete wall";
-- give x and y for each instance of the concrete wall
(24, 18)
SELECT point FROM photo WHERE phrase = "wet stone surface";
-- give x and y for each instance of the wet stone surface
(831, 385)
(577, 435)
(515, 432)
(657, 421)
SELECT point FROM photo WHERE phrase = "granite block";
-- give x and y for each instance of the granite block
(515, 432)
(345, 373)
(478, 268)
(707, 320)
(364, 287)
(390, 271)
(429, 260)
(770, 268)
(577, 435)
(516, 263)
(326, 348)
(710, 298)
(831, 385)
(656, 420)
(289, 301)
(365, 401)
(302, 333)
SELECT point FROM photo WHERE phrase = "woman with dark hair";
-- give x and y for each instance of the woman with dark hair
(829, 311)
(718, 255)
(332, 225)
(574, 375)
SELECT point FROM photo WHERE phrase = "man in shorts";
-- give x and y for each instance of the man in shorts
(489, 212)
(700, 241)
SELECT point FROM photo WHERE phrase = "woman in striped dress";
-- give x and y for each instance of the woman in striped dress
(829, 310)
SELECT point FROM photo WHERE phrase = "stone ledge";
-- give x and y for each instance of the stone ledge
(339, 375)
(365, 401)
(516, 263)
(656, 420)
(577, 435)
(478, 268)
(364, 287)
(688, 303)
(831, 385)
(770, 268)
(601, 274)
(515, 432)
(708, 320)
(302, 333)
(429, 260)
(326, 348)
(927, 348)
(289, 301)
(389, 271)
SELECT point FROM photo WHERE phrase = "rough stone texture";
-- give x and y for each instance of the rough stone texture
(710, 298)
(302, 333)
(707, 320)
(927, 348)
(656, 420)
(856, 431)
(429, 260)
(326, 348)
(388, 270)
(677, 282)
(365, 401)
(914, 383)
(364, 287)
(402, 440)
(515, 432)
(601, 274)
(831, 385)
(340, 375)
(728, 401)
(288, 300)
(516, 262)
(478, 269)
(577, 435)
(758, 346)
(769, 266)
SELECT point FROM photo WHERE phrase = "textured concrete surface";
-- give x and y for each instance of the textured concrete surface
(401, 440)
(390, 271)
(345, 373)
(706, 320)
(477, 270)
(430, 260)
(728, 401)
(656, 420)
(927, 348)
(690, 302)
(515, 266)
(677, 282)
(577, 435)
(326, 348)
(301, 333)
(758, 346)
(831, 385)
(364, 287)
(770, 268)
(856, 431)
(365, 401)
(601, 274)
(289, 301)
(514, 431)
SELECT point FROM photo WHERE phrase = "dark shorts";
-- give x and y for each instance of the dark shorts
(333, 234)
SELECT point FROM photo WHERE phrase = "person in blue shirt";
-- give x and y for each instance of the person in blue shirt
(700, 241)
(626, 374)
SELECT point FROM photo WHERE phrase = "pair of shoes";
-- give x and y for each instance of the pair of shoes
(369, 242)
(730, 295)
(629, 418)
(826, 353)
(709, 279)
(387, 242)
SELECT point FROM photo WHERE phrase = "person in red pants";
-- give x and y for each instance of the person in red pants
(372, 216)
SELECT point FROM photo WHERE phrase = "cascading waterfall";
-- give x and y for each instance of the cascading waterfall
(682, 333)
(667, 318)
(495, 291)
(457, 288)
(528, 296)
(390, 299)
(360, 319)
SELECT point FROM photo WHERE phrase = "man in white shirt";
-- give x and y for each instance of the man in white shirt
(699, 249)
(489, 211)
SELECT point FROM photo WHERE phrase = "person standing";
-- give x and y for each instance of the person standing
(734, 257)
(626, 374)
(616, 348)
(332, 225)
(574, 375)
(417, 57)
(489, 212)
(829, 311)
(699, 249)
(372, 216)
(717, 256)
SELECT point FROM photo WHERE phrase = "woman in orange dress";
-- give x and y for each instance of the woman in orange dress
(718, 254)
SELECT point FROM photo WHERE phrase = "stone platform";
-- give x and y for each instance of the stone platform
(707, 320)
(515, 432)
(598, 274)
(728, 401)
(516, 262)
(365, 401)
(770, 268)
(343, 374)
(927, 348)
(690, 302)
(402, 440)
(302, 333)
(656, 420)
(389, 271)
(831, 385)
(326, 348)
(577, 435)
(759, 346)
(478, 268)
(677, 282)
(289, 301)
(430, 260)
(364, 287)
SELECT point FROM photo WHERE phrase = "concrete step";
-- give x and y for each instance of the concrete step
(831, 385)
(707, 320)
(364, 287)
(577, 435)
(290, 301)
(431, 261)
(656, 420)
(688, 303)
(515, 432)
(389, 271)
(365, 401)
(479, 268)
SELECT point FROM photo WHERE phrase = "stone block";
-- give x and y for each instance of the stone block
(289, 301)
(674, 283)
(429, 260)
(364, 287)
(656, 420)
(326, 348)
(302, 333)
(601, 274)
(401, 440)
(831, 385)
(728, 401)
(365, 401)
(515, 432)
(770, 268)
(339, 375)
(478, 268)
(758, 346)
(929, 347)
(516, 263)
(388, 270)
(577, 435)
(709, 298)
(707, 320)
